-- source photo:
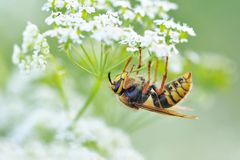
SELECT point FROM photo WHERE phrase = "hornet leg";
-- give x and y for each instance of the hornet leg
(140, 60)
(154, 96)
(127, 83)
(156, 71)
(148, 81)
(164, 76)
(128, 62)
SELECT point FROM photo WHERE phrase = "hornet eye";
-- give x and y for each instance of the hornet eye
(117, 85)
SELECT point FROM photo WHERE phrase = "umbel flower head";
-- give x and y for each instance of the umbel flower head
(118, 23)
(33, 52)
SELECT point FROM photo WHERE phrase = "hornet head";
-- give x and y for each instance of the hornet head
(117, 83)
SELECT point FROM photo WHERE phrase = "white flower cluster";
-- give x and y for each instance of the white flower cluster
(61, 5)
(95, 133)
(40, 151)
(70, 24)
(40, 131)
(112, 22)
(131, 39)
(34, 50)
(91, 139)
(177, 32)
(137, 10)
(90, 134)
(76, 21)
(149, 8)
(78, 18)
(107, 28)
(162, 41)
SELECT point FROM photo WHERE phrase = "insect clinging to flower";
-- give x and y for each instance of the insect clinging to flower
(138, 93)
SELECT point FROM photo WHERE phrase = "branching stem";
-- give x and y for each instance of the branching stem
(90, 98)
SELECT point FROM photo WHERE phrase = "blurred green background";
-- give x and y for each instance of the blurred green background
(216, 134)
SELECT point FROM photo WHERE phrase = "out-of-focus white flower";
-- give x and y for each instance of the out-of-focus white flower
(22, 97)
(126, 154)
(113, 142)
(40, 151)
(37, 130)
(193, 57)
(30, 35)
(41, 46)
(39, 120)
(17, 54)
(90, 129)
(33, 53)
(176, 63)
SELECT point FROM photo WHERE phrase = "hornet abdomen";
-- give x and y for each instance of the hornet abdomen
(175, 91)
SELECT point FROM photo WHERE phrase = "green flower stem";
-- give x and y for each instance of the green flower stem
(83, 59)
(88, 57)
(105, 61)
(94, 53)
(117, 64)
(90, 98)
(77, 64)
(59, 83)
(64, 97)
(86, 63)
(101, 56)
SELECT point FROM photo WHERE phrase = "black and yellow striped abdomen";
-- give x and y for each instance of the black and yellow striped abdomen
(175, 91)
